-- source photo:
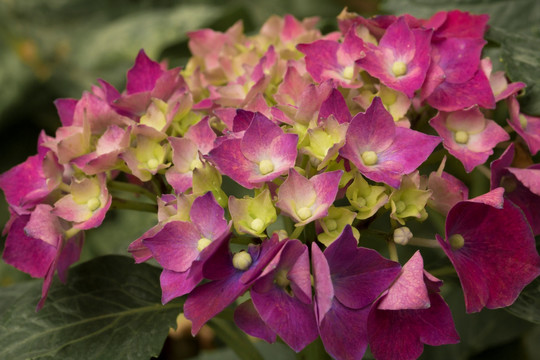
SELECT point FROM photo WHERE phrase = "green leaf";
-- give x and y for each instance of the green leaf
(510, 14)
(235, 338)
(521, 58)
(527, 305)
(110, 308)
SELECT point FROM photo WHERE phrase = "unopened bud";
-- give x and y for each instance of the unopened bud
(402, 235)
(242, 260)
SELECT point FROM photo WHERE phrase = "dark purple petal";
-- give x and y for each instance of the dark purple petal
(209, 299)
(359, 275)
(248, 319)
(498, 257)
(175, 284)
(401, 334)
(324, 290)
(344, 331)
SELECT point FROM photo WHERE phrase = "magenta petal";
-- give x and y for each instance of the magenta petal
(401, 334)
(70, 254)
(410, 148)
(143, 75)
(373, 130)
(335, 105)
(248, 319)
(324, 290)
(321, 55)
(344, 331)
(65, 109)
(258, 138)
(409, 290)
(24, 182)
(451, 97)
(209, 299)
(359, 275)
(175, 245)
(31, 255)
(175, 284)
(230, 161)
(498, 258)
(208, 216)
(293, 320)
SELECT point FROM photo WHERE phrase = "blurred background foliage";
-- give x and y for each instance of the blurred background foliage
(53, 49)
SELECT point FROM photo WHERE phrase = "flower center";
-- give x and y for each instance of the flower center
(281, 278)
(348, 72)
(93, 204)
(203, 243)
(257, 225)
(400, 206)
(360, 201)
(331, 224)
(523, 121)
(461, 137)
(456, 241)
(242, 260)
(195, 163)
(304, 213)
(369, 157)
(399, 68)
(266, 166)
(152, 163)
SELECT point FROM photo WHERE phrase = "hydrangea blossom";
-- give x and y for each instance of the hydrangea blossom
(270, 158)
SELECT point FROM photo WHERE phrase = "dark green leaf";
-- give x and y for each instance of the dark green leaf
(521, 58)
(527, 305)
(110, 308)
(513, 15)
(236, 339)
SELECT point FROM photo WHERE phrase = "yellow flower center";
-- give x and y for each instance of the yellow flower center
(461, 137)
(93, 204)
(304, 213)
(331, 224)
(369, 157)
(399, 68)
(257, 225)
(203, 243)
(152, 164)
(242, 260)
(348, 72)
(266, 166)
(281, 278)
(523, 121)
(456, 241)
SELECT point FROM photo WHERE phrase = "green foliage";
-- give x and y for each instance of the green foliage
(527, 306)
(110, 308)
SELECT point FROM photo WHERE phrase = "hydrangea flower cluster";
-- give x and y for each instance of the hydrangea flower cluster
(321, 135)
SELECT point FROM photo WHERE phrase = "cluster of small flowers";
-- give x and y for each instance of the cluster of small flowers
(323, 133)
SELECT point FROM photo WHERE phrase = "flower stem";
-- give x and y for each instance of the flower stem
(430, 243)
(133, 205)
(132, 188)
(296, 233)
(392, 250)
